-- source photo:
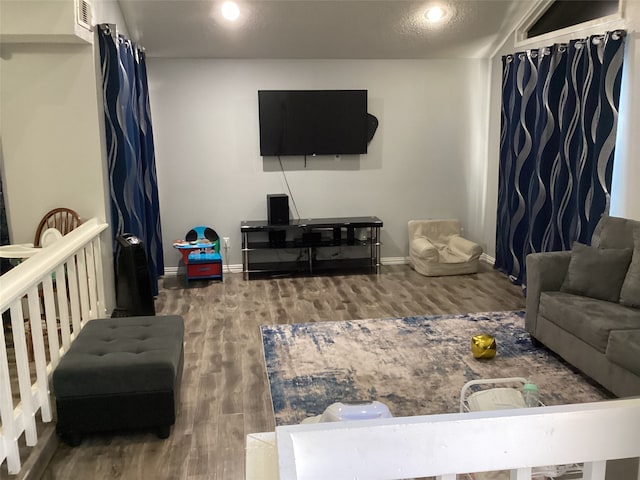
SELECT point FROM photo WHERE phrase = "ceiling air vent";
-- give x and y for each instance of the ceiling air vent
(84, 14)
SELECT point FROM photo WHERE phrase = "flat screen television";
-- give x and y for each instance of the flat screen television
(312, 122)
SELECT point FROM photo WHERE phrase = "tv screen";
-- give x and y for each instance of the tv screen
(312, 122)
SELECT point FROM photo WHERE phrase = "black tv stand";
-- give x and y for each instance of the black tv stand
(311, 246)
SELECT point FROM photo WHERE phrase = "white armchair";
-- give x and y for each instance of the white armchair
(436, 248)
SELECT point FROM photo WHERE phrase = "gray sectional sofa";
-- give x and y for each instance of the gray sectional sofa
(584, 304)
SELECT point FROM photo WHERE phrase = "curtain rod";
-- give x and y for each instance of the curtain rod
(596, 38)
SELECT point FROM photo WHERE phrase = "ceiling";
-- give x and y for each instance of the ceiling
(322, 29)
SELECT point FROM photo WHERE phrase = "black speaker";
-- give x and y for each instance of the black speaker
(133, 282)
(278, 209)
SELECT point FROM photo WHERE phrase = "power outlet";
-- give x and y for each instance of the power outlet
(226, 242)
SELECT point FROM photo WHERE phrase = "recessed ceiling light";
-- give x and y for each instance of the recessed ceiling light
(230, 10)
(435, 14)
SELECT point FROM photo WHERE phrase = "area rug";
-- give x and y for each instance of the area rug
(415, 365)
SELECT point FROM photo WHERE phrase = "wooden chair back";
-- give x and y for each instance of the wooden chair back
(62, 219)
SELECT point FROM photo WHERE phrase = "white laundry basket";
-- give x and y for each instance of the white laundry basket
(499, 398)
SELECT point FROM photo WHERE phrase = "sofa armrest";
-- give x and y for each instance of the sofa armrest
(545, 272)
(422, 248)
(466, 249)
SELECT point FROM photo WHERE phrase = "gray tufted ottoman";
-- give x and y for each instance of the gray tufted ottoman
(120, 373)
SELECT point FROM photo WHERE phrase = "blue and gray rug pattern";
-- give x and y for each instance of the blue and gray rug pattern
(416, 365)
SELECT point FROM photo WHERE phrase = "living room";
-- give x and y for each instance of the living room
(434, 154)
(436, 136)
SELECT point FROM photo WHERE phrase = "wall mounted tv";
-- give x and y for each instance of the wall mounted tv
(312, 122)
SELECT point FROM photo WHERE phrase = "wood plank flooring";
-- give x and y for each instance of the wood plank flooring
(225, 394)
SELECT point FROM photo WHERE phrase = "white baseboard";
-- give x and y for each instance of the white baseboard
(394, 260)
(233, 268)
(174, 271)
(237, 268)
(487, 259)
(170, 271)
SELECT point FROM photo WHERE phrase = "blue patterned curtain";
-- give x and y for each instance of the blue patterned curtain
(557, 139)
(130, 153)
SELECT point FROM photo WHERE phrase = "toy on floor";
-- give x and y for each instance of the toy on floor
(201, 254)
(341, 412)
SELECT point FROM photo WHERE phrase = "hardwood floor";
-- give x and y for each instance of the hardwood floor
(225, 394)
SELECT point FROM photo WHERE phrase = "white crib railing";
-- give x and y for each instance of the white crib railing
(49, 298)
(444, 446)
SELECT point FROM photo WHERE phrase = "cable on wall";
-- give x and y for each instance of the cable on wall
(295, 207)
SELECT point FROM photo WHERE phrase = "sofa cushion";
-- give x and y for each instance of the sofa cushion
(630, 291)
(588, 319)
(614, 232)
(624, 349)
(596, 272)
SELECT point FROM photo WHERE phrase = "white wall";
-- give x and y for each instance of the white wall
(50, 136)
(435, 153)
(626, 177)
(625, 201)
(205, 117)
(41, 21)
(51, 123)
(51, 117)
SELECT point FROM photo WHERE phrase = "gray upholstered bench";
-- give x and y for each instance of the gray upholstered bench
(120, 374)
